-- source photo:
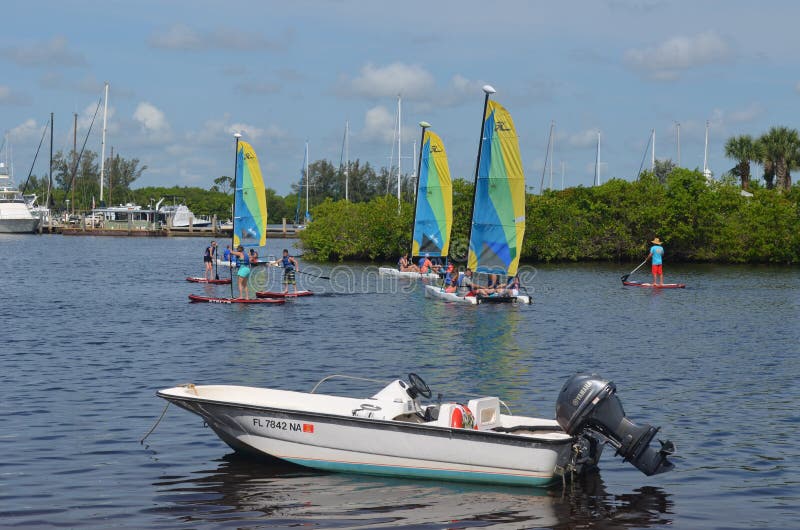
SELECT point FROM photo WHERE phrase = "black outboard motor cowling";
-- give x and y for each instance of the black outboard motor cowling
(587, 402)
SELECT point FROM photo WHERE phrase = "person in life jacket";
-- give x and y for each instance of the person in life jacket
(290, 267)
(208, 259)
(244, 271)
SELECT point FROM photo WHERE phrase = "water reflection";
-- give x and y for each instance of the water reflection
(271, 494)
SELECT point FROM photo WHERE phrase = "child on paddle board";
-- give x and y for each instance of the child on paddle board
(208, 259)
(656, 255)
(290, 267)
(244, 271)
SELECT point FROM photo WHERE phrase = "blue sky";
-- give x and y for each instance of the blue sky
(185, 75)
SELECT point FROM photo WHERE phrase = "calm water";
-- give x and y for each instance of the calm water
(92, 327)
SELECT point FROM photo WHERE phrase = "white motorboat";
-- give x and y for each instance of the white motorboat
(438, 292)
(390, 272)
(393, 433)
(15, 216)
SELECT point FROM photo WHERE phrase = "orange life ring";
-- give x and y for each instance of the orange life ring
(461, 418)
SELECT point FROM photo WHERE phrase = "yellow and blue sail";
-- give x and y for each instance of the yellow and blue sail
(249, 201)
(433, 217)
(498, 213)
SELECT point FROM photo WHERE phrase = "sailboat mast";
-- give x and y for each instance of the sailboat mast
(597, 162)
(50, 169)
(346, 160)
(653, 152)
(547, 155)
(678, 140)
(552, 148)
(423, 125)
(233, 208)
(103, 145)
(705, 155)
(487, 90)
(416, 165)
(399, 144)
(74, 155)
(307, 181)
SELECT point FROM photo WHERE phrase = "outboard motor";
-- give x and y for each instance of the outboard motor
(588, 403)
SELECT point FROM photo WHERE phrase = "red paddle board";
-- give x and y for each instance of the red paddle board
(656, 286)
(213, 300)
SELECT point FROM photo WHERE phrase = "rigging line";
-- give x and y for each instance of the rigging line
(649, 138)
(44, 131)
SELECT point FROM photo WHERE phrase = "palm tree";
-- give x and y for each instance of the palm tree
(742, 149)
(781, 147)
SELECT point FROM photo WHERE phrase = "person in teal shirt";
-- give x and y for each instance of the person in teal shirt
(656, 255)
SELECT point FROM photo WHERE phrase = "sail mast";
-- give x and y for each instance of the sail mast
(50, 170)
(597, 162)
(235, 173)
(307, 182)
(653, 153)
(103, 145)
(423, 125)
(706, 172)
(487, 90)
(678, 140)
(346, 160)
(399, 143)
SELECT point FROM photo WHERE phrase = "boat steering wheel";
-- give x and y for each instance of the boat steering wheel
(420, 386)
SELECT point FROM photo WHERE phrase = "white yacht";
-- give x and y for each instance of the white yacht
(15, 217)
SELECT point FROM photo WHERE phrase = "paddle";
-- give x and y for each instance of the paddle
(216, 264)
(624, 277)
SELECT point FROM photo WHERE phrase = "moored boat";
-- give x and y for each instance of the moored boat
(15, 216)
(390, 272)
(394, 433)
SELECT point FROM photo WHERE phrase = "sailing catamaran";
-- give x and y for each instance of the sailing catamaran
(249, 215)
(433, 210)
(498, 209)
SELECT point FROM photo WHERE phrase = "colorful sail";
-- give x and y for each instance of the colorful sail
(498, 214)
(250, 200)
(433, 217)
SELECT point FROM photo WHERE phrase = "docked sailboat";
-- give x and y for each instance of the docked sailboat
(433, 209)
(498, 210)
(394, 433)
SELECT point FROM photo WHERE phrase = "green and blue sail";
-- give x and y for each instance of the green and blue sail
(250, 200)
(433, 216)
(498, 213)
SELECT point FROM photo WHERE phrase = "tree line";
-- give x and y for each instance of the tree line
(697, 219)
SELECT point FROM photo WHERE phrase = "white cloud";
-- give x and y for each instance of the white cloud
(11, 97)
(669, 59)
(587, 138)
(182, 37)
(54, 52)
(27, 130)
(214, 131)
(151, 118)
(411, 81)
(379, 123)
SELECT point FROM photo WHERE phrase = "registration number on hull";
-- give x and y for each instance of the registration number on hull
(283, 425)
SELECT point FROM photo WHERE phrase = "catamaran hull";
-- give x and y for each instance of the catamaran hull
(433, 291)
(394, 273)
(379, 447)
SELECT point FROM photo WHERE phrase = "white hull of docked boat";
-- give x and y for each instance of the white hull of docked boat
(392, 433)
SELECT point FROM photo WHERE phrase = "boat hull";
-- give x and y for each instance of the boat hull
(380, 447)
(19, 226)
(434, 291)
(394, 273)
(654, 286)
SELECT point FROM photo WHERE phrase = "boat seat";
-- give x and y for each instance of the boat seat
(486, 411)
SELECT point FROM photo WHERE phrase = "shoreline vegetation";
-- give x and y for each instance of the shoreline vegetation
(699, 221)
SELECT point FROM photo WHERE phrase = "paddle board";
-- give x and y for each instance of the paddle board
(654, 286)
(195, 279)
(276, 294)
(213, 300)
